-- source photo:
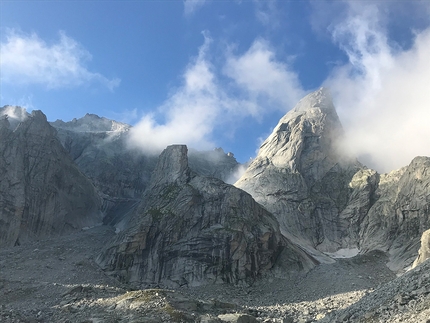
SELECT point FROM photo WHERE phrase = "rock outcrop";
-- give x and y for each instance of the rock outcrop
(400, 213)
(42, 192)
(192, 230)
(424, 252)
(301, 177)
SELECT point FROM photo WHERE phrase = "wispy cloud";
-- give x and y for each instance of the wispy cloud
(267, 13)
(264, 78)
(27, 59)
(206, 101)
(190, 6)
(188, 114)
(382, 92)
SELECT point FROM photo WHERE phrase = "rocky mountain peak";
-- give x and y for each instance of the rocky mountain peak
(319, 99)
(14, 114)
(300, 175)
(92, 123)
(193, 230)
(172, 166)
(305, 139)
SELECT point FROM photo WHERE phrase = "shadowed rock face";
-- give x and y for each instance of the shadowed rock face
(400, 214)
(192, 230)
(42, 193)
(301, 178)
(100, 149)
(98, 146)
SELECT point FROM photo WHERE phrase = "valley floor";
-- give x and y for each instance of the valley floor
(56, 280)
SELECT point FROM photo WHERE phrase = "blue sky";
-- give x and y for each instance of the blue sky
(222, 73)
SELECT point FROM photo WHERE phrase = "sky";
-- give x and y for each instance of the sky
(210, 73)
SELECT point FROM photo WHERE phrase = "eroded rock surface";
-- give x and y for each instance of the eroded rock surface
(192, 230)
(42, 193)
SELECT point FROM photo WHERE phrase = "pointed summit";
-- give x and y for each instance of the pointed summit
(300, 175)
(305, 138)
(319, 99)
(172, 166)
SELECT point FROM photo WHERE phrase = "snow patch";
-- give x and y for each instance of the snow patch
(343, 253)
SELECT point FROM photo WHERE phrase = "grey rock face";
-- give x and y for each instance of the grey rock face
(42, 191)
(215, 163)
(400, 214)
(192, 230)
(99, 148)
(300, 176)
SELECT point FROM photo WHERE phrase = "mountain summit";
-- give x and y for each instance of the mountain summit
(301, 176)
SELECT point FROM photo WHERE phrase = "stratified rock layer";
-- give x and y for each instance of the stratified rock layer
(301, 178)
(192, 230)
(42, 193)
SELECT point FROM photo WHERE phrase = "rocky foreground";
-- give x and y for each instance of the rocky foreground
(57, 280)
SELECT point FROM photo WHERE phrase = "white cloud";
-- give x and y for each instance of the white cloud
(382, 92)
(206, 101)
(190, 6)
(264, 78)
(27, 59)
(189, 113)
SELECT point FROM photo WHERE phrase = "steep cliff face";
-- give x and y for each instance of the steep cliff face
(42, 191)
(98, 146)
(300, 176)
(192, 230)
(401, 213)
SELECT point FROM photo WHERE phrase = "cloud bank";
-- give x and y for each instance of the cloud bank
(27, 59)
(382, 93)
(256, 84)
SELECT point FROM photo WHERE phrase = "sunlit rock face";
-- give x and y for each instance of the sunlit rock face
(192, 230)
(42, 193)
(301, 177)
(424, 252)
